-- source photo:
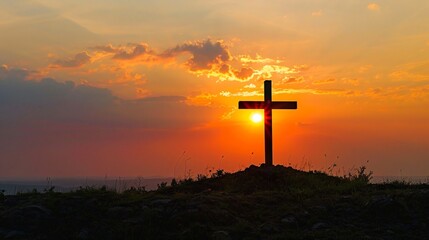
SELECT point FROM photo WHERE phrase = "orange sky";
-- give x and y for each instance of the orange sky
(152, 88)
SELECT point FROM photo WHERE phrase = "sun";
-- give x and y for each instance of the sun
(256, 117)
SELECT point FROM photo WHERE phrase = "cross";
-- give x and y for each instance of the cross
(268, 105)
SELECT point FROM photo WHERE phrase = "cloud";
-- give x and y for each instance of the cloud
(13, 73)
(251, 85)
(51, 127)
(78, 60)
(310, 91)
(105, 48)
(132, 53)
(257, 59)
(241, 94)
(373, 7)
(324, 81)
(50, 102)
(244, 73)
(293, 80)
(205, 55)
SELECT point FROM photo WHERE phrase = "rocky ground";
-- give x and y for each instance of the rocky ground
(257, 203)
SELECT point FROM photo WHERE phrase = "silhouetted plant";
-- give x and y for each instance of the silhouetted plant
(93, 189)
(140, 189)
(186, 180)
(201, 177)
(173, 182)
(49, 190)
(162, 185)
(2, 197)
(218, 173)
(361, 175)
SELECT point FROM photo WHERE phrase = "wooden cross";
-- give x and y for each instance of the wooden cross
(268, 105)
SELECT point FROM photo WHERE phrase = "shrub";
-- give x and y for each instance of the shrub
(2, 197)
(219, 173)
(361, 175)
(173, 182)
(162, 185)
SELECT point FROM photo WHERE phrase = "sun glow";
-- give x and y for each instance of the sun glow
(256, 117)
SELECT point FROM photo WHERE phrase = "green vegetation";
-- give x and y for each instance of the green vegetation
(258, 203)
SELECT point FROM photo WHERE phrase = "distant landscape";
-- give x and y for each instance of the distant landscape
(119, 184)
(12, 187)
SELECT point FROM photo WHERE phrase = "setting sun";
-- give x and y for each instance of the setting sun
(256, 117)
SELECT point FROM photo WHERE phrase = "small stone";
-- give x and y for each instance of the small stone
(220, 235)
(144, 207)
(119, 212)
(133, 220)
(161, 201)
(83, 234)
(34, 213)
(290, 221)
(14, 234)
(268, 228)
(318, 209)
(319, 225)
(386, 208)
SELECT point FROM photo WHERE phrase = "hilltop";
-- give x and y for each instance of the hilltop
(258, 203)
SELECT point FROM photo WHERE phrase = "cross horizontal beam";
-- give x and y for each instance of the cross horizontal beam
(263, 105)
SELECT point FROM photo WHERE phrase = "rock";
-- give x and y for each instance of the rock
(119, 212)
(38, 209)
(90, 203)
(136, 220)
(196, 231)
(269, 228)
(387, 209)
(144, 207)
(161, 201)
(290, 221)
(220, 235)
(83, 234)
(32, 213)
(318, 210)
(10, 201)
(14, 235)
(319, 225)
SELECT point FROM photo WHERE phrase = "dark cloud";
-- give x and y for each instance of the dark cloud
(53, 102)
(106, 48)
(49, 127)
(76, 61)
(136, 51)
(14, 73)
(206, 55)
(244, 73)
(163, 99)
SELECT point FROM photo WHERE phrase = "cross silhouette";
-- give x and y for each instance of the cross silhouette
(268, 105)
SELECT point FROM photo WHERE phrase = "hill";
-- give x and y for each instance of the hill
(258, 203)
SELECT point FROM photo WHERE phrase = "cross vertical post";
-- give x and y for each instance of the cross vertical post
(268, 105)
(268, 117)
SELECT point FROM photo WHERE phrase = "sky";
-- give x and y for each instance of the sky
(151, 88)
